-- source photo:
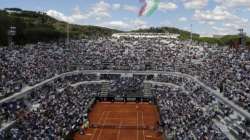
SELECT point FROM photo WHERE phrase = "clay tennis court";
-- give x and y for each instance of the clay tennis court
(122, 121)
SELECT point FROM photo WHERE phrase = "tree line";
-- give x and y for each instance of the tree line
(185, 35)
(32, 27)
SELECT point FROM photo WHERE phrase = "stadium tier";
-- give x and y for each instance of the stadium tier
(50, 90)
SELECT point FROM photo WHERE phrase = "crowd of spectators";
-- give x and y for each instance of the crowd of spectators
(48, 113)
(224, 69)
(11, 110)
(127, 86)
(219, 67)
(31, 64)
(185, 117)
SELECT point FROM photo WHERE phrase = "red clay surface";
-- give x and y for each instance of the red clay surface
(130, 121)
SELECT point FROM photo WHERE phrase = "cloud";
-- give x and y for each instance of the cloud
(130, 8)
(218, 14)
(138, 23)
(125, 25)
(231, 25)
(77, 15)
(234, 3)
(116, 25)
(195, 4)
(60, 16)
(116, 6)
(182, 19)
(222, 30)
(165, 6)
(223, 21)
(98, 11)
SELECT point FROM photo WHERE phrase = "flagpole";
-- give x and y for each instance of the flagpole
(67, 34)
(191, 41)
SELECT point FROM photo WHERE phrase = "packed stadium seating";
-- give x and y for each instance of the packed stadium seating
(51, 113)
(54, 110)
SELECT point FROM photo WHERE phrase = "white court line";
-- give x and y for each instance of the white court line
(124, 111)
(98, 123)
(119, 131)
(143, 125)
(116, 118)
(105, 119)
(137, 127)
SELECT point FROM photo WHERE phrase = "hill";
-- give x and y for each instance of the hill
(37, 26)
(185, 35)
(224, 40)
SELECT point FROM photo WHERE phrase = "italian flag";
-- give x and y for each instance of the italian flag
(149, 7)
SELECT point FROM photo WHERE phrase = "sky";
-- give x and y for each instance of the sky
(208, 17)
